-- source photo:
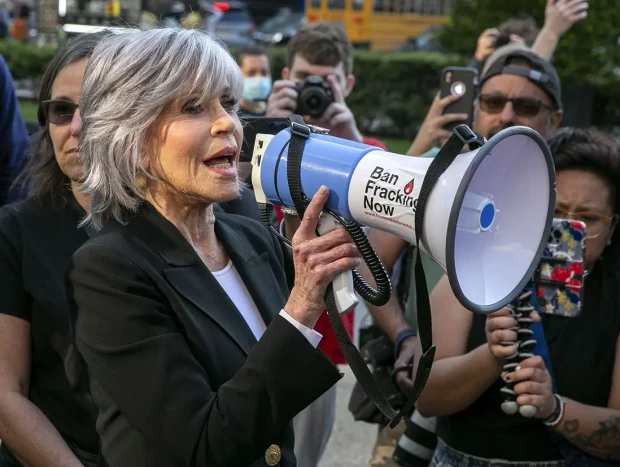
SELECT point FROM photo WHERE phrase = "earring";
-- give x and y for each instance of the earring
(141, 181)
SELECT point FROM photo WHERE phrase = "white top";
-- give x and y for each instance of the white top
(234, 287)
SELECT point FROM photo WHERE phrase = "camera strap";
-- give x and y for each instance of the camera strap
(300, 133)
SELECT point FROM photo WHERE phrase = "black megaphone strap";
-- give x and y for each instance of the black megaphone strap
(300, 132)
(461, 136)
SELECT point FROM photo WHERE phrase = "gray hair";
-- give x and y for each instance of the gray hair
(130, 78)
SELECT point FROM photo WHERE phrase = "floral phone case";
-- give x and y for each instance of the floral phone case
(560, 275)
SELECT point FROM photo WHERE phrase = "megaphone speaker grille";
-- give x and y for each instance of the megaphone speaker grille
(491, 257)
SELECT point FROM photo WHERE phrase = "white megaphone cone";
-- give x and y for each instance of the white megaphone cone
(486, 220)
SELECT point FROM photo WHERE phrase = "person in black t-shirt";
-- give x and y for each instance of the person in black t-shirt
(47, 417)
(581, 423)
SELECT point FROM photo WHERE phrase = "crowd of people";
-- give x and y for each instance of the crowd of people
(149, 319)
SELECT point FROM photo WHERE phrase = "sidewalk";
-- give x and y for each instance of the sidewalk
(351, 442)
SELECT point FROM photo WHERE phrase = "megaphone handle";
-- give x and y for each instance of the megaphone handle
(520, 310)
(342, 285)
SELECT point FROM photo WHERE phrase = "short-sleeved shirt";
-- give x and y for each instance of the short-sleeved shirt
(36, 243)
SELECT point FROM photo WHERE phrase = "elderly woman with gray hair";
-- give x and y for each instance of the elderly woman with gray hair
(199, 346)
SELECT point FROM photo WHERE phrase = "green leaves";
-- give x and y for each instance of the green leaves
(587, 54)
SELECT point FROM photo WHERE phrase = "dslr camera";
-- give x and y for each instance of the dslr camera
(313, 96)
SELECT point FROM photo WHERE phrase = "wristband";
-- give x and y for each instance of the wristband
(558, 414)
(402, 335)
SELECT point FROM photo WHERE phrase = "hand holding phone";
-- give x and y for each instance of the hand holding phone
(461, 82)
(559, 279)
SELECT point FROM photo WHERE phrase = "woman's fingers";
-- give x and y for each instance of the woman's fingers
(500, 323)
(310, 221)
(504, 351)
(502, 336)
(345, 250)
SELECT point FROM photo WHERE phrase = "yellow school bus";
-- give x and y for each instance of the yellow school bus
(380, 24)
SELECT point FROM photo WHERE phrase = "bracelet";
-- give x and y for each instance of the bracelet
(402, 335)
(289, 211)
(557, 415)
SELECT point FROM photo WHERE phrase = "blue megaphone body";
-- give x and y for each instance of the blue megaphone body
(486, 219)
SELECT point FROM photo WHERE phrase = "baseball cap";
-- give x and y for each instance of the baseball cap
(541, 72)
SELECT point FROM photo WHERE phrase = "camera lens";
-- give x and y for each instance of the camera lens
(315, 100)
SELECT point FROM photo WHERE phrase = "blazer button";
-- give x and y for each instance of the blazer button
(273, 455)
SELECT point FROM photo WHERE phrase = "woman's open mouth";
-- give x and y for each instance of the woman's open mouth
(221, 162)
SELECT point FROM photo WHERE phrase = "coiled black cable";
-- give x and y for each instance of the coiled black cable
(520, 310)
(381, 295)
(378, 297)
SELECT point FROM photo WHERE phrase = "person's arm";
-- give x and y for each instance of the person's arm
(596, 429)
(14, 140)
(560, 15)
(390, 317)
(24, 429)
(458, 377)
(135, 351)
(592, 429)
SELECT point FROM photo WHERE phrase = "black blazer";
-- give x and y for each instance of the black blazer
(175, 371)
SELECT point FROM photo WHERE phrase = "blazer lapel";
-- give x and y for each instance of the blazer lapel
(255, 272)
(189, 276)
(198, 285)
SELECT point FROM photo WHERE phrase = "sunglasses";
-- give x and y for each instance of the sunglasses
(59, 112)
(523, 106)
(595, 222)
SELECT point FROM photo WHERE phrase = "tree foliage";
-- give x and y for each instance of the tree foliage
(588, 53)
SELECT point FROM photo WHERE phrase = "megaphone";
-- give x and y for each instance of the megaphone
(486, 218)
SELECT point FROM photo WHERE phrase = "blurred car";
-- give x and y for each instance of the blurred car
(280, 29)
(236, 26)
(426, 41)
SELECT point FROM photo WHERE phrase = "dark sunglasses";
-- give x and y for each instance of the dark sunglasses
(59, 112)
(523, 106)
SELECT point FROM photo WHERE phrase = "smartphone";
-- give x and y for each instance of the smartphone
(559, 279)
(252, 126)
(461, 81)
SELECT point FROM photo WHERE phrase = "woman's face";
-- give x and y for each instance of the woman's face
(195, 149)
(585, 196)
(66, 88)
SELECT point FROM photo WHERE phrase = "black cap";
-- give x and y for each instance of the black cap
(541, 72)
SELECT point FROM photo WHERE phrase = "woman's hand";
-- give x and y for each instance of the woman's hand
(501, 336)
(532, 382)
(317, 261)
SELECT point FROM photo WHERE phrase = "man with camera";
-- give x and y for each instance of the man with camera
(317, 80)
(315, 84)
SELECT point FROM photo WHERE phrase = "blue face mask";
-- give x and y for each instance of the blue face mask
(256, 88)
